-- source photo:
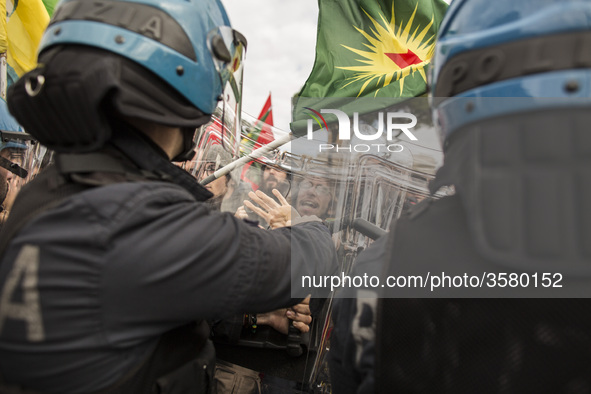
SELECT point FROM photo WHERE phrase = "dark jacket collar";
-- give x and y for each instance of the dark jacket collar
(147, 155)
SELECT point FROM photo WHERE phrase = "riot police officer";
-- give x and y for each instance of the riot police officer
(511, 95)
(113, 261)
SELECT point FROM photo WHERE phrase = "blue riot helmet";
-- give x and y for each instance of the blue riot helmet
(9, 124)
(525, 49)
(511, 97)
(168, 62)
(14, 143)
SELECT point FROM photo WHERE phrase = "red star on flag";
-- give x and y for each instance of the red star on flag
(404, 60)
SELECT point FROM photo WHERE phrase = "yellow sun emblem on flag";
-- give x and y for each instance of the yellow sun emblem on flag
(392, 53)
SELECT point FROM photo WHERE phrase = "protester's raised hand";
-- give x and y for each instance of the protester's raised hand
(276, 214)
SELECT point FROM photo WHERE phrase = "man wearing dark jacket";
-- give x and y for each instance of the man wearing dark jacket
(113, 260)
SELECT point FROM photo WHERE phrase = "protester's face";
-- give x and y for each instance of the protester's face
(314, 197)
(272, 178)
(218, 187)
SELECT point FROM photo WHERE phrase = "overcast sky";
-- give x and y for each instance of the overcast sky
(281, 37)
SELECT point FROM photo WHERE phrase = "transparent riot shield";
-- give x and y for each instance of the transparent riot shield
(228, 49)
(379, 157)
(21, 159)
(238, 173)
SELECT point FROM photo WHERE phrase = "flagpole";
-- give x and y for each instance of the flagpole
(3, 50)
(255, 154)
(3, 75)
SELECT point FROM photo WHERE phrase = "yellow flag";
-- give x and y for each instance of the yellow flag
(3, 42)
(25, 28)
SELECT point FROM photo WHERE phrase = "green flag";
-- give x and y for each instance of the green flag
(50, 6)
(373, 48)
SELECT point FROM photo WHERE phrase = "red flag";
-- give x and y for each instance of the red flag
(266, 118)
(260, 135)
